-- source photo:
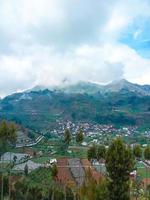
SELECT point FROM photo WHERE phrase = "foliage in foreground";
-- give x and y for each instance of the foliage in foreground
(94, 190)
(119, 164)
(40, 184)
(7, 135)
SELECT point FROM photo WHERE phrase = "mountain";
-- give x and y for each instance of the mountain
(123, 84)
(78, 88)
(118, 103)
(93, 88)
(82, 87)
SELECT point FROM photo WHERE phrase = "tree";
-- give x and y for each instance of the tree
(26, 170)
(34, 154)
(23, 190)
(88, 189)
(91, 153)
(5, 185)
(96, 152)
(67, 136)
(101, 152)
(14, 159)
(102, 190)
(137, 151)
(93, 190)
(8, 135)
(54, 170)
(148, 191)
(136, 187)
(147, 153)
(62, 147)
(79, 136)
(119, 164)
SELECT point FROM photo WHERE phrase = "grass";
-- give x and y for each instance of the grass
(40, 177)
(4, 167)
(76, 151)
(54, 145)
(140, 165)
(143, 172)
(41, 160)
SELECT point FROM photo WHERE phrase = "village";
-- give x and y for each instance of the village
(44, 152)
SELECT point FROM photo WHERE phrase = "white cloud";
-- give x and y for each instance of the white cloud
(97, 63)
(137, 33)
(47, 41)
(123, 17)
(135, 67)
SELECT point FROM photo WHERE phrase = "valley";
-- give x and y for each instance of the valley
(46, 160)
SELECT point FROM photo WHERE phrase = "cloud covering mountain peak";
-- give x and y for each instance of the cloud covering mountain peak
(47, 41)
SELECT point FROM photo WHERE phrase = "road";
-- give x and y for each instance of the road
(30, 144)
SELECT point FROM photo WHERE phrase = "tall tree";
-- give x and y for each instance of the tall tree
(26, 170)
(147, 153)
(14, 159)
(67, 136)
(137, 151)
(7, 135)
(101, 152)
(91, 153)
(79, 136)
(54, 170)
(119, 164)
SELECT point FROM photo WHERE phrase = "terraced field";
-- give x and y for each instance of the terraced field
(64, 175)
(87, 165)
(73, 171)
(77, 170)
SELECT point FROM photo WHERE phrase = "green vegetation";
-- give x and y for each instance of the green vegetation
(26, 171)
(40, 177)
(7, 136)
(67, 137)
(119, 164)
(118, 108)
(91, 153)
(34, 186)
(54, 170)
(101, 152)
(93, 190)
(55, 148)
(44, 110)
(79, 136)
(41, 160)
(116, 184)
(137, 151)
(147, 153)
(143, 172)
(97, 152)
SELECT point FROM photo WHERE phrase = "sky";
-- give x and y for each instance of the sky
(52, 42)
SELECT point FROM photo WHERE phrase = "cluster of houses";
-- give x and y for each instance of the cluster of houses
(90, 128)
(95, 130)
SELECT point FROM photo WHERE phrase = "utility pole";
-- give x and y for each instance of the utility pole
(9, 178)
(146, 183)
(2, 181)
(2, 197)
(65, 191)
(2, 187)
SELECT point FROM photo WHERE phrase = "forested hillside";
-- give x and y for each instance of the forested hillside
(41, 109)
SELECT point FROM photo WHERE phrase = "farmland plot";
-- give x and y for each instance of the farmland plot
(87, 165)
(77, 170)
(64, 175)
